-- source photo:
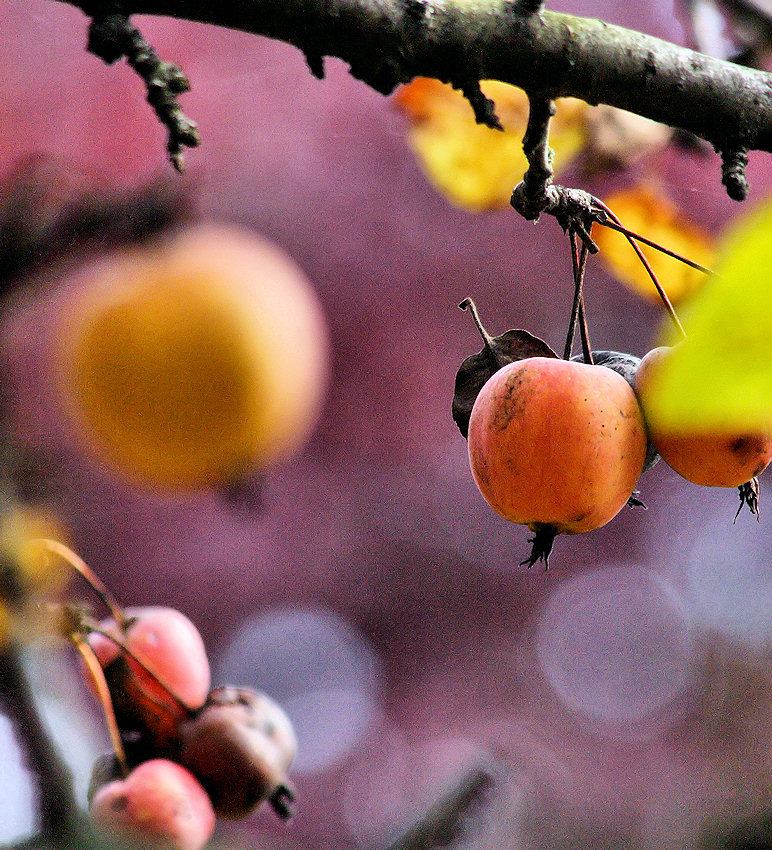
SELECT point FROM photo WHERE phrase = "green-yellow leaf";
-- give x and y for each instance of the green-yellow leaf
(720, 377)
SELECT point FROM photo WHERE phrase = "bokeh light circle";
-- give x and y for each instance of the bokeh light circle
(615, 644)
(321, 671)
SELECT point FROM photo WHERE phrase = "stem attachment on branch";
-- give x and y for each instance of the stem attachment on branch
(112, 36)
(528, 7)
(532, 197)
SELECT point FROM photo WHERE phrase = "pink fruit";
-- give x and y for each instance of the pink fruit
(160, 804)
(170, 646)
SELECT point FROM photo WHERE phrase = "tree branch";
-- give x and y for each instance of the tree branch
(550, 55)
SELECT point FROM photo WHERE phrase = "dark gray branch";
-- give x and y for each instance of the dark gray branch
(111, 37)
(387, 42)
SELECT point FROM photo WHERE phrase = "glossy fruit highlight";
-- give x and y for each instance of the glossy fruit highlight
(715, 459)
(197, 359)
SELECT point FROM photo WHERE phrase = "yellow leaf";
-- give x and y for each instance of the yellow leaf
(472, 165)
(720, 377)
(648, 211)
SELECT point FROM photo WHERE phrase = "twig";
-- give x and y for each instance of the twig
(534, 189)
(550, 54)
(112, 36)
(60, 820)
(443, 820)
(733, 165)
(483, 107)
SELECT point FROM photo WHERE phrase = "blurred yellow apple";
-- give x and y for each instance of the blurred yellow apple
(197, 358)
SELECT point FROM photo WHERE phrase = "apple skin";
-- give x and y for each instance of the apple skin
(160, 804)
(172, 648)
(240, 745)
(710, 459)
(556, 443)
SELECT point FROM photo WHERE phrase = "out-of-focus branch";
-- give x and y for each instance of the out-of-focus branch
(443, 821)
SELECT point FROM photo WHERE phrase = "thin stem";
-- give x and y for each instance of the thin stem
(438, 826)
(468, 304)
(579, 263)
(105, 700)
(584, 330)
(81, 567)
(657, 285)
(615, 224)
(569, 348)
(95, 629)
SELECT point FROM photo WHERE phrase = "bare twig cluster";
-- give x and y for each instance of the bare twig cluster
(548, 54)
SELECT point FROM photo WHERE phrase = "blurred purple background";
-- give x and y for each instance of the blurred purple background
(623, 699)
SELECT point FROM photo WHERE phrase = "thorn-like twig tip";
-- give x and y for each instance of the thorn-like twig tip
(733, 165)
(113, 36)
(484, 108)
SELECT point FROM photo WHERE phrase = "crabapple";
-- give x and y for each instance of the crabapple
(195, 360)
(159, 804)
(708, 457)
(240, 745)
(168, 643)
(625, 365)
(556, 445)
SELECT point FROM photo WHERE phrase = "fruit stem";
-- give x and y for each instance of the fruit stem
(749, 495)
(577, 310)
(616, 224)
(631, 238)
(281, 801)
(105, 699)
(489, 346)
(541, 544)
(81, 567)
(92, 628)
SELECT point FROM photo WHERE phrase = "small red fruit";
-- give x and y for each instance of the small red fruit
(703, 457)
(170, 646)
(556, 445)
(160, 804)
